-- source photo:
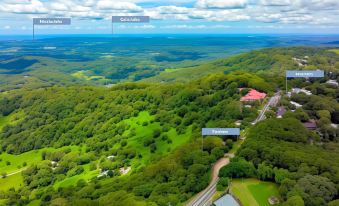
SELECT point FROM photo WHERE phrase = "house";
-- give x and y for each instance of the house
(281, 111)
(301, 62)
(298, 90)
(238, 123)
(111, 157)
(253, 95)
(311, 125)
(332, 82)
(297, 105)
(226, 200)
(124, 170)
(103, 173)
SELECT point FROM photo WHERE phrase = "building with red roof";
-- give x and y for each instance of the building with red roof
(253, 95)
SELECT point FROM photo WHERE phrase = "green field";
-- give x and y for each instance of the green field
(335, 51)
(87, 175)
(10, 119)
(16, 165)
(141, 132)
(253, 192)
(16, 161)
(13, 181)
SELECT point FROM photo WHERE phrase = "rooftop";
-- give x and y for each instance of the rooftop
(253, 95)
(281, 111)
(226, 200)
(310, 125)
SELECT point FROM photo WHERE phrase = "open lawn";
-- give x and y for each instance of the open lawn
(335, 51)
(142, 132)
(34, 203)
(11, 163)
(88, 76)
(16, 164)
(72, 181)
(253, 192)
(13, 181)
(10, 119)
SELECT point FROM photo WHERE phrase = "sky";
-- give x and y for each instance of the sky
(174, 16)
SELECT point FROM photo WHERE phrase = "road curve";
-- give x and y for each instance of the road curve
(204, 196)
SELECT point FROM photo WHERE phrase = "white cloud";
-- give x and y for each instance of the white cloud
(172, 10)
(320, 4)
(297, 12)
(275, 2)
(113, 5)
(24, 7)
(221, 4)
(59, 6)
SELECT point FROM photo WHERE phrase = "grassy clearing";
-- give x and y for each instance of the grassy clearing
(34, 203)
(253, 192)
(13, 181)
(142, 132)
(335, 51)
(87, 175)
(16, 164)
(10, 119)
(31, 157)
(4, 120)
(85, 75)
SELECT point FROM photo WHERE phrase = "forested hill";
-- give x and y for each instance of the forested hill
(268, 62)
(145, 127)
(60, 116)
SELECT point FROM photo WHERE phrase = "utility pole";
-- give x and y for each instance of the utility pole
(286, 85)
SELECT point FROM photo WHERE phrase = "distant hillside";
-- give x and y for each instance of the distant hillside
(271, 62)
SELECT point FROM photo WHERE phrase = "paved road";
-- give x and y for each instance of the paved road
(273, 101)
(204, 196)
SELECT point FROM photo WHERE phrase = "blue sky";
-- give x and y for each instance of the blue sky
(174, 16)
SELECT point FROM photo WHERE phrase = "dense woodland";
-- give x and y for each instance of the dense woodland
(155, 129)
(304, 163)
(58, 116)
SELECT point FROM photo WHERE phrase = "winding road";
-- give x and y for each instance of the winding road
(203, 198)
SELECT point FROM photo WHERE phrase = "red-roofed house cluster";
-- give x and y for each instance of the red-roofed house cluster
(253, 95)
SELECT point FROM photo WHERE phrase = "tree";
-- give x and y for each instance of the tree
(212, 142)
(280, 175)
(334, 203)
(315, 188)
(217, 152)
(294, 201)
(286, 186)
(223, 183)
(237, 169)
(156, 133)
(153, 147)
(4, 174)
(265, 172)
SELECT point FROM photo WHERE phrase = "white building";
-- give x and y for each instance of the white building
(298, 90)
(332, 82)
(297, 105)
